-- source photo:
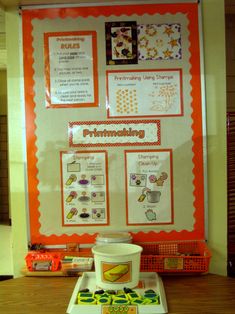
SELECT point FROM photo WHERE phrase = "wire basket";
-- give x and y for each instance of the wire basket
(175, 257)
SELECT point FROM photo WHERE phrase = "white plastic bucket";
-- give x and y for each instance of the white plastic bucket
(113, 237)
(117, 265)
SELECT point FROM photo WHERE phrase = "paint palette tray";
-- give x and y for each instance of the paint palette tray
(148, 280)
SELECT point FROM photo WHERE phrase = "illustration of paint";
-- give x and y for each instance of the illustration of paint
(116, 273)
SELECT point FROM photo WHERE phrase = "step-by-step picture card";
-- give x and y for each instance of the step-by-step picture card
(149, 187)
(84, 188)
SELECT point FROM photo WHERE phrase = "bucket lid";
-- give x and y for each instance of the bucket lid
(113, 237)
(116, 250)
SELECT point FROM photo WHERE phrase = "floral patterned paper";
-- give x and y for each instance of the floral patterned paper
(159, 41)
(121, 42)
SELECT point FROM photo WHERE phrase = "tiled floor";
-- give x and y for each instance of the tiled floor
(6, 265)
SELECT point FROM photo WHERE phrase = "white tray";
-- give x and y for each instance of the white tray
(149, 280)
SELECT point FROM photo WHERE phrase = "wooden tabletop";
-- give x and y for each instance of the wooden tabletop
(205, 294)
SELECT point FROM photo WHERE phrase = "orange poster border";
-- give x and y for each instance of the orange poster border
(171, 185)
(158, 134)
(189, 9)
(149, 115)
(107, 187)
(93, 34)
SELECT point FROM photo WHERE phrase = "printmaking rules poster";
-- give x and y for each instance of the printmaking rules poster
(114, 122)
(70, 68)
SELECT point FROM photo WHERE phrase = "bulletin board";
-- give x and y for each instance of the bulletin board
(114, 122)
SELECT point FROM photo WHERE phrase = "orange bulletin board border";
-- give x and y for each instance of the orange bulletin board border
(189, 9)
(48, 72)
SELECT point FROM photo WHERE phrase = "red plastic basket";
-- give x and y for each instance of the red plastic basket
(175, 257)
(36, 260)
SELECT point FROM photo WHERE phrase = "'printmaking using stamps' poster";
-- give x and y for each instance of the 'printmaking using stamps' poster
(114, 122)
(162, 95)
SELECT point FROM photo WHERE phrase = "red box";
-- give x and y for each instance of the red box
(43, 261)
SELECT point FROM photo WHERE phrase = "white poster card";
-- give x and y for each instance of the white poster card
(145, 93)
(84, 188)
(70, 68)
(149, 193)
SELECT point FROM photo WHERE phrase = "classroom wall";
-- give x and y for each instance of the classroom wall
(215, 81)
(3, 92)
(4, 206)
(214, 48)
(230, 60)
(16, 151)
